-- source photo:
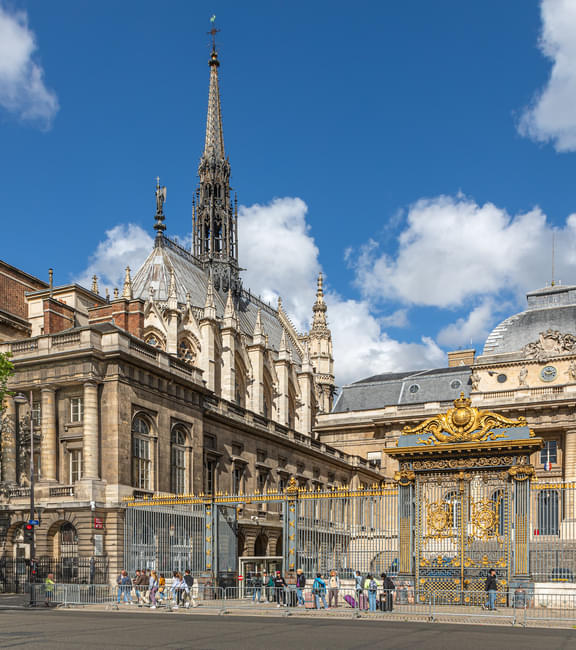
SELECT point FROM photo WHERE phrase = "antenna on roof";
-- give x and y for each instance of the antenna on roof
(553, 256)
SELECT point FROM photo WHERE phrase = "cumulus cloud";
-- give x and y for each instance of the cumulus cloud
(124, 245)
(22, 89)
(279, 255)
(454, 249)
(474, 327)
(551, 116)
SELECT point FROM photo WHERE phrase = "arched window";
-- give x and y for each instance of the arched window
(178, 461)
(68, 541)
(548, 513)
(186, 351)
(141, 458)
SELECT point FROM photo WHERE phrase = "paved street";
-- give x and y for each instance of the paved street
(80, 629)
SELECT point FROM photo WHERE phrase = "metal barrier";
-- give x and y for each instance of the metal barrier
(65, 595)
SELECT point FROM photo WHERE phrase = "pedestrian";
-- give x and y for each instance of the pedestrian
(189, 581)
(271, 590)
(257, 588)
(359, 588)
(136, 585)
(161, 593)
(371, 587)
(153, 586)
(49, 589)
(319, 591)
(119, 585)
(177, 588)
(333, 588)
(387, 598)
(300, 586)
(143, 588)
(491, 587)
(123, 581)
(279, 589)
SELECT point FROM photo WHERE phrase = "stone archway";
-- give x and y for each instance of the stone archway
(261, 546)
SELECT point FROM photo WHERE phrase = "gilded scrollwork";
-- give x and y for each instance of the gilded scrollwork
(404, 477)
(463, 423)
(456, 463)
(485, 519)
(521, 472)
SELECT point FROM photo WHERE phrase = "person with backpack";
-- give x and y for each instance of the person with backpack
(319, 591)
(371, 587)
(300, 586)
(257, 588)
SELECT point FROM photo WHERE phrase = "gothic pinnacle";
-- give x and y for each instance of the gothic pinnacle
(95, 284)
(159, 217)
(258, 324)
(127, 289)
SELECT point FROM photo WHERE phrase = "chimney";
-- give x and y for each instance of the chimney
(461, 358)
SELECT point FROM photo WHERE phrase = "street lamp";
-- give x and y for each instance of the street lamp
(20, 398)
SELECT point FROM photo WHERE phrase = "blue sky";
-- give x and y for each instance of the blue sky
(419, 153)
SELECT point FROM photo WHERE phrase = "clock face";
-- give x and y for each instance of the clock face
(548, 373)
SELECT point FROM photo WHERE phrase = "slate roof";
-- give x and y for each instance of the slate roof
(411, 387)
(191, 278)
(550, 308)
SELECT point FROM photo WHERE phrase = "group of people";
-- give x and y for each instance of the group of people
(149, 588)
(275, 588)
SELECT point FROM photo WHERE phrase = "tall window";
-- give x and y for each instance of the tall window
(209, 475)
(549, 454)
(37, 414)
(237, 478)
(548, 513)
(75, 465)
(262, 480)
(178, 467)
(68, 541)
(76, 409)
(141, 460)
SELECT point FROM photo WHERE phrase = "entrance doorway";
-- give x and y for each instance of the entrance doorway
(250, 566)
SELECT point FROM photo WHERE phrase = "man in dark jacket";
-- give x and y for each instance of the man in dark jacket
(300, 586)
(189, 580)
(387, 597)
(491, 588)
(279, 587)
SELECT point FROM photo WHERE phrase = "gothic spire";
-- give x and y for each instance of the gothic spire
(214, 143)
(215, 229)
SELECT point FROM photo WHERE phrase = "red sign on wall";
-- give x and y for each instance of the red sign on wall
(98, 523)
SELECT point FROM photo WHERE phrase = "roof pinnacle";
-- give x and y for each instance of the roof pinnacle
(127, 289)
(159, 226)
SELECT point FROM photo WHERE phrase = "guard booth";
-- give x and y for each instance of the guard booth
(464, 503)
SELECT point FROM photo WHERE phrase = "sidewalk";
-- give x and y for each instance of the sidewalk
(455, 615)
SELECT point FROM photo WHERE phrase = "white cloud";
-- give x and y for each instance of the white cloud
(125, 245)
(281, 258)
(22, 89)
(454, 249)
(551, 116)
(474, 327)
(279, 255)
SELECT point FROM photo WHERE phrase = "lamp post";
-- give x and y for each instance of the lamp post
(20, 398)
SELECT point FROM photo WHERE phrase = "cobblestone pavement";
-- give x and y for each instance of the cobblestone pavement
(63, 629)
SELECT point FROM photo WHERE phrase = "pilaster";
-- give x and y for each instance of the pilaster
(48, 448)
(8, 439)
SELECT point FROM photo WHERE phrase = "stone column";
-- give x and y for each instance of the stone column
(48, 449)
(91, 447)
(570, 455)
(9, 441)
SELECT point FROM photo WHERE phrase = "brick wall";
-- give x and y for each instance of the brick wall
(13, 285)
(127, 314)
(57, 316)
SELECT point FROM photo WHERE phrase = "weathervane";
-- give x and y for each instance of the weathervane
(213, 32)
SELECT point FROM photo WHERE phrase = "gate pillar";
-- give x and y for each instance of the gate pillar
(405, 479)
(290, 545)
(521, 475)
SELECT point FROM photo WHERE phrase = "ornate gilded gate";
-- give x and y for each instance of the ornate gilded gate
(463, 502)
(462, 529)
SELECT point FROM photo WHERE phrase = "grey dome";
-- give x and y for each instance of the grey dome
(552, 308)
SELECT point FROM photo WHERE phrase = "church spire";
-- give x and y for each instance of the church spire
(215, 231)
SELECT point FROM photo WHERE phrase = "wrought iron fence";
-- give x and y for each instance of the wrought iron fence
(16, 573)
